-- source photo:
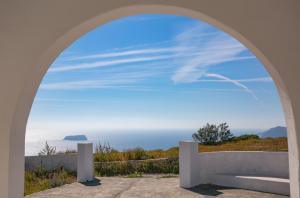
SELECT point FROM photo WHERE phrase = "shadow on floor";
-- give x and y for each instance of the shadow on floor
(94, 182)
(208, 189)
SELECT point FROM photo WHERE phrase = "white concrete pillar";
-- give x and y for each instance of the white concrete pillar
(85, 162)
(189, 164)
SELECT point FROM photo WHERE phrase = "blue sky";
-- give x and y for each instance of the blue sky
(153, 72)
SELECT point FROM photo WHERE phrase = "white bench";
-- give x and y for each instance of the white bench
(258, 183)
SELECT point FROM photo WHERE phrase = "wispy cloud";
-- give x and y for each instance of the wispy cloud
(194, 51)
(169, 46)
(190, 53)
(85, 84)
(115, 80)
(235, 82)
(62, 100)
(109, 63)
(144, 51)
(262, 79)
(193, 69)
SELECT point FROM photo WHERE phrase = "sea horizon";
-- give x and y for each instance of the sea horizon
(124, 139)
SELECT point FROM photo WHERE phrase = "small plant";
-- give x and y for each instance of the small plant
(40, 172)
(66, 152)
(70, 151)
(103, 148)
(135, 175)
(48, 150)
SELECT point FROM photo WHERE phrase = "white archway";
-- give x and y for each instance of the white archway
(33, 34)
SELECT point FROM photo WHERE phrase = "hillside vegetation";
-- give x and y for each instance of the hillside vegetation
(110, 162)
(242, 143)
(252, 144)
(40, 179)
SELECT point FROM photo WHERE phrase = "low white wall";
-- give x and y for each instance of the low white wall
(262, 171)
(269, 164)
(69, 162)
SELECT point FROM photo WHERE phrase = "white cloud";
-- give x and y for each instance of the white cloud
(130, 53)
(235, 82)
(196, 50)
(262, 79)
(87, 84)
(108, 63)
(193, 69)
(113, 80)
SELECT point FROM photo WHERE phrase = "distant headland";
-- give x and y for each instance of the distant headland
(75, 137)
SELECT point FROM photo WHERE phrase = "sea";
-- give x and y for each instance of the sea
(122, 139)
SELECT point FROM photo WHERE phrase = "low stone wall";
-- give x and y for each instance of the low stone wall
(69, 162)
(52, 162)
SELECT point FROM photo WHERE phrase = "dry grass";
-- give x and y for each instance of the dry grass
(134, 154)
(269, 144)
(252, 144)
(40, 179)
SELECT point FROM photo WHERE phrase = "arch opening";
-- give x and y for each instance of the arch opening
(31, 86)
(231, 52)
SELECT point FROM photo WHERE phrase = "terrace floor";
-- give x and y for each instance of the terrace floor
(158, 186)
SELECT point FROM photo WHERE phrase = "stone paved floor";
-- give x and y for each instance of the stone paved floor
(149, 186)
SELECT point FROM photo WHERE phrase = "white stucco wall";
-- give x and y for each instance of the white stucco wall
(52, 162)
(262, 171)
(269, 164)
(33, 33)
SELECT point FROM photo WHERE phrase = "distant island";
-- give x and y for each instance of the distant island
(275, 132)
(75, 137)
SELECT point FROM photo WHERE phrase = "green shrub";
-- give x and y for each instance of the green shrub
(34, 184)
(169, 165)
(40, 179)
(135, 154)
(48, 150)
(40, 172)
(172, 152)
(105, 153)
(212, 134)
(245, 137)
(108, 155)
(66, 152)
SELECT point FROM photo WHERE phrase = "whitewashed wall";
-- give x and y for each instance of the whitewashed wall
(269, 164)
(261, 171)
(69, 162)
